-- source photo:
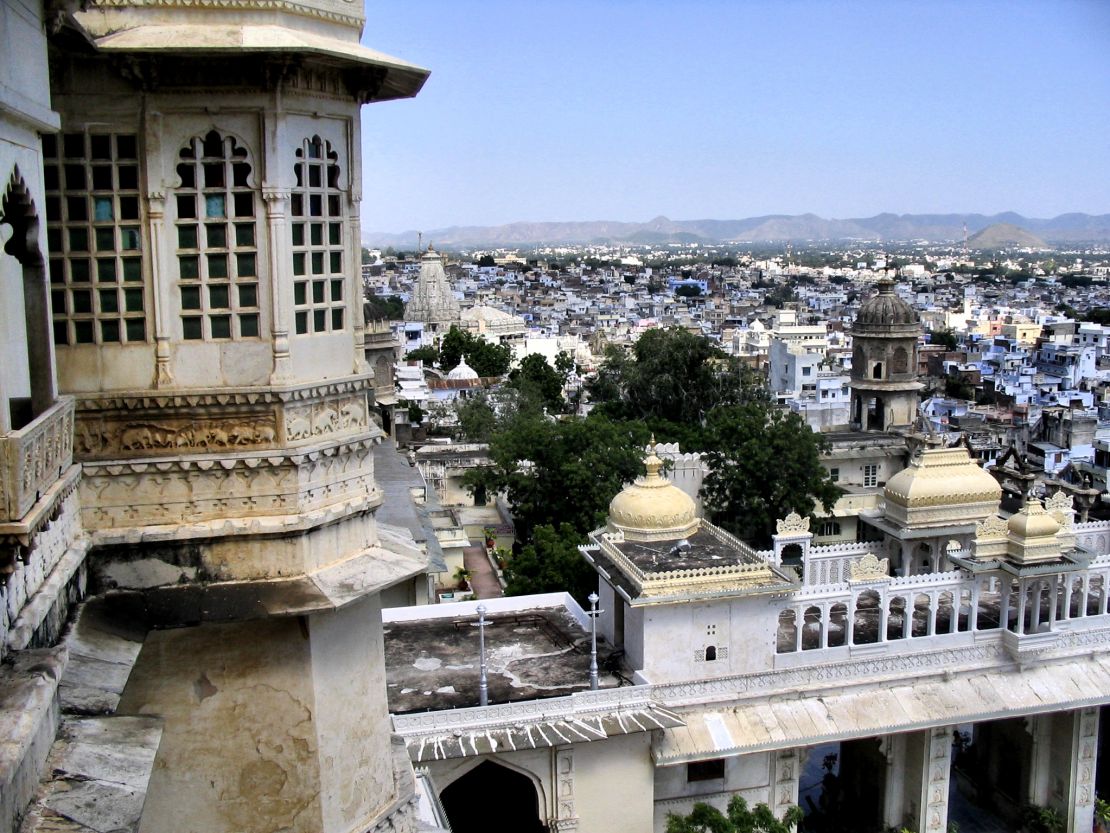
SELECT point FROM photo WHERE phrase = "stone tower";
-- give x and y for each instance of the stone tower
(202, 214)
(884, 362)
(432, 301)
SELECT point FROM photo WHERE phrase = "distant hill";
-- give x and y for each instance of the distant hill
(1004, 235)
(774, 228)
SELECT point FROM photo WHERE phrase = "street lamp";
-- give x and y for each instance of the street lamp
(483, 683)
(593, 614)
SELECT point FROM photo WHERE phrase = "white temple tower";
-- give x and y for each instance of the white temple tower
(432, 301)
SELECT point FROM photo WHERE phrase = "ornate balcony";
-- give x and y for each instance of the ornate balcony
(33, 458)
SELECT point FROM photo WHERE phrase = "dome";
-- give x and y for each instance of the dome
(941, 486)
(756, 326)
(886, 309)
(1032, 522)
(652, 508)
(462, 371)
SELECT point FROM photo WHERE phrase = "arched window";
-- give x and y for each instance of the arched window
(95, 237)
(877, 370)
(217, 247)
(900, 363)
(711, 653)
(319, 304)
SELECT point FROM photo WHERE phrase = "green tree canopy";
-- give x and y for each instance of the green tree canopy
(764, 463)
(477, 418)
(536, 376)
(391, 308)
(427, 354)
(551, 564)
(485, 358)
(759, 819)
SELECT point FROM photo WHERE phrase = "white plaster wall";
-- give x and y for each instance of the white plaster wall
(613, 784)
(352, 724)
(747, 775)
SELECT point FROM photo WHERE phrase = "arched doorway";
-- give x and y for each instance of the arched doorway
(491, 792)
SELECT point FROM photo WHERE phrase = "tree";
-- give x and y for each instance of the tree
(487, 260)
(946, 337)
(536, 375)
(689, 290)
(391, 308)
(427, 354)
(563, 471)
(706, 819)
(764, 463)
(551, 564)
(485, 358)
(477, 418)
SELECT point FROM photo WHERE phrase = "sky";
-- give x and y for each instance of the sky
(574, 110)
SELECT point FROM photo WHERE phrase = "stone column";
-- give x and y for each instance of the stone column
(40, 345)
(1040, 758)
(884, 607)
(973, 608)
(158, 260)
(787, 770)
(563, 768)
(281, 282)
(1082, 783)
(934, 788)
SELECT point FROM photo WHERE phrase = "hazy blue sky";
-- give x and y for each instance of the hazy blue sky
(624, 110)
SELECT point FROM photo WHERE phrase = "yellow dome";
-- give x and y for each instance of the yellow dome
(1032, 522)
(942, 476)
(652, 508)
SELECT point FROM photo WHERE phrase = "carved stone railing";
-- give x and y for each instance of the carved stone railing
(501, 714)
(32, 458)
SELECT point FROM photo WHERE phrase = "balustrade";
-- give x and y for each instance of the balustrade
(34, 457)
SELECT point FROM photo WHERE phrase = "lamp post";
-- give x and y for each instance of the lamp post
(483, 684)
(593, 597)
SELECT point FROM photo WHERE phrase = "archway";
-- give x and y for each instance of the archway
(492, 791)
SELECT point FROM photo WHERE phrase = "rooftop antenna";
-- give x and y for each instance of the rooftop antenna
(419, 242)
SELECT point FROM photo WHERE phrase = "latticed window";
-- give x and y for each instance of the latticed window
(95, 237)
(217, 248)
(317, 208)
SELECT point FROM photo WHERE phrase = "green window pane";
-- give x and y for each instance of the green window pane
(106, 270)
(218, 297)
(79, 271)
(244, 234)
(190, 297)
(129, 239)
(337, 319)
(81, 300)
(337, 290)
(191, 328)
(317, 263)
(298, 263)
(109, 301)
(78, 240)
(318, 292)
(336, 263)
(109, 330)
(83, 332)
(300, 297)
(248, 295)
(221, 326)
(136, 329)
(132, 269)
(105, 239)
(217, 266)
(319, 320)
(133, 300)
(186, 237)
(302, 323)
(298, 234)
(216, 235)
(189, 267)
(317, 234)
(215, 205)
(248, 326)
(335, 233)
(245, 265)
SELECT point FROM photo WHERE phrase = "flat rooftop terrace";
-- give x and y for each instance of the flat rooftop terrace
(704, 550)
(432, 661)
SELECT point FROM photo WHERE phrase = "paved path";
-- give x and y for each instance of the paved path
(483, 580)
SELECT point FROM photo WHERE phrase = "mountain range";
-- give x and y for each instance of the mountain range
(771, 228)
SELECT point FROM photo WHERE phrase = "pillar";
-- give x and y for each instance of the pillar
(937, 770)
(565, 816)
(787, 770)
(973, 609)
(1084, 752)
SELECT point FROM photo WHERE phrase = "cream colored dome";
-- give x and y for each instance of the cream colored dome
(652, 508)
(942, 476)
(462, 371)
(1032, 522)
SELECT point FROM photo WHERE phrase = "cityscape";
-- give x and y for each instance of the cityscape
(353, 479)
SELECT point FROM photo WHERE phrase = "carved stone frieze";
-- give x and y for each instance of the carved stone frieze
(792, 523)
(869, 568)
